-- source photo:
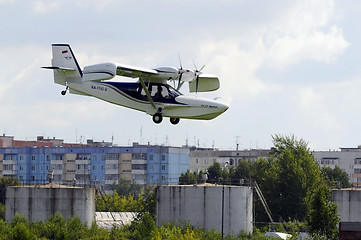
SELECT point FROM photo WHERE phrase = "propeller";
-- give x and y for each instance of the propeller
(197, 73)
(180, 72)
(191, 75)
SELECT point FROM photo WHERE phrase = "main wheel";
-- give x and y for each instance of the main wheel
(63, 92)
(174, 121)
(157, 118)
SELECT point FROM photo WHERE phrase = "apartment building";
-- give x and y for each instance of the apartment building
(82, 165)
(348, 159)
(201, 159)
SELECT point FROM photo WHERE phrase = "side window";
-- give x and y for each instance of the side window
(141, 93)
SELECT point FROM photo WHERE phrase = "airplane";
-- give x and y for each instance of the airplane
(150, 94)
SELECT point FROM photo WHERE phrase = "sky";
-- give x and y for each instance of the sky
(285, 68)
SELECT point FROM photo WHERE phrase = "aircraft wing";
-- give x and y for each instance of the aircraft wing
(135, 72)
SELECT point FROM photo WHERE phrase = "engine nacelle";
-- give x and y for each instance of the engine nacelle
(167, 73)
(99, 72)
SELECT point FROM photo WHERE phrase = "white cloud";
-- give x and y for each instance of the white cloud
(45, 6)
(301, 32)
(304, 32)
(2, 2)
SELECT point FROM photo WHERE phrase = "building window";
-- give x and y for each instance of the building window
(151, 167)
(110, 156)
(163, 157)
(163, 167)
(32, 168)
(94, 157)
(94, 167)
(21, 168)
(163, 178)
(32, 158)
(21, 158)
(151, 157)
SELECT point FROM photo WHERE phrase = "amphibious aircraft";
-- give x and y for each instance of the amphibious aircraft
(150, 94)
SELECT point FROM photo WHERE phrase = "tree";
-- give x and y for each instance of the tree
(336, 177)
(292, 174)
(214, 172)
(4, 183)
(188, 178)
(125, 187)
(322, 213)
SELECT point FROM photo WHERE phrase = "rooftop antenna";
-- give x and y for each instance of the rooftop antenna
(237, 143)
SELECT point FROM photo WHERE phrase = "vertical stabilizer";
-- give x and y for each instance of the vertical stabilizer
(66, 68)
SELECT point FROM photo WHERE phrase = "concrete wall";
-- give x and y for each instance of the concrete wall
(38, 203)
(201, 205)
(348, 204)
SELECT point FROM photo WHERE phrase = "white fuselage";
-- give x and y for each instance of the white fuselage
(191, 107)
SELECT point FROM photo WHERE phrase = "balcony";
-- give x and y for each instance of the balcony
(56, 162)
(9, 172)
(112, 171)
(82, 162)
(82, 172)
(58, 171)
(110, 182)
(139, 172)
(8, 161)
(139, 161)
(116, 162)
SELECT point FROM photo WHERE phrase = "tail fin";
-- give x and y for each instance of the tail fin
(64, 64)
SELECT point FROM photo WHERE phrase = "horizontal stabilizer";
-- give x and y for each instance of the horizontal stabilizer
(206, 83)
(60, 68)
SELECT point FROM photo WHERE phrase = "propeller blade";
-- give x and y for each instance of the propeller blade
(197, 80)
(180, 62)
(179, 80)
(200, 70)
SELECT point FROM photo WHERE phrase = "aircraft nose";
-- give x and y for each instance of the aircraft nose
(223, 106)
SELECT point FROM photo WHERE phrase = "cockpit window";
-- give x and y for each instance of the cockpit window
(159, 92)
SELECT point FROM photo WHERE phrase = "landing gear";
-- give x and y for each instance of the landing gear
(174, 121)
(157, 118)
(64, 91)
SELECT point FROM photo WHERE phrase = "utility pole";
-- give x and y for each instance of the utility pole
(222, 208)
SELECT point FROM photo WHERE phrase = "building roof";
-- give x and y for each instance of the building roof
(109, 219)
